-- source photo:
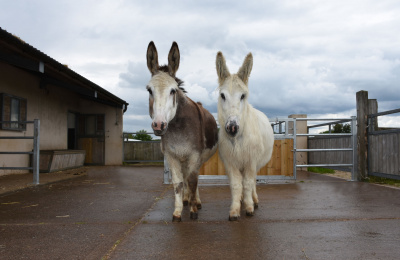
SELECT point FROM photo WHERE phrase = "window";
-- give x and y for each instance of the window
(91, 125)
(12, 109)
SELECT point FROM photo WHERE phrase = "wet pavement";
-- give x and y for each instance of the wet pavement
(126, 213)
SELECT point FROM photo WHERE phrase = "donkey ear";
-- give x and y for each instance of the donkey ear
(152, 58)
(244, 71)
(173, 59)
(222, 69)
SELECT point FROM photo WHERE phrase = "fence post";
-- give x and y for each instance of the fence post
(301, 141)
(36, 151)
(362, 116)
(354, 169)
(373, 109)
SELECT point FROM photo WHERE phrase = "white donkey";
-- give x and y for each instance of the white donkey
(246, 142)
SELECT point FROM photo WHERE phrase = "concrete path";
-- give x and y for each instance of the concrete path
(126, 212)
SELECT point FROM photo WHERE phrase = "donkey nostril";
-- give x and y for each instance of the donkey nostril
(162, 125)
(155, 124)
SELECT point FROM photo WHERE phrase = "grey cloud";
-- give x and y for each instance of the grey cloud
(309, 57)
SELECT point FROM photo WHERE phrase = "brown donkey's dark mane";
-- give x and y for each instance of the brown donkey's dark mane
(164, 68)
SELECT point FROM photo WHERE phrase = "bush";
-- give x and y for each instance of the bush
(141, 135)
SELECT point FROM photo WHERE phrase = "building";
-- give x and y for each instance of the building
(74, 113)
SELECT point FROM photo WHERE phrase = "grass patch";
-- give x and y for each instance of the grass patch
(381, 180)
(320, 170)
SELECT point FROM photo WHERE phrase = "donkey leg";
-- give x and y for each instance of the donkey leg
(177, 181)
(235, 180)
(192, 182)
(248, 192)
(198, 198)
(185, 193)
(192, 176)
(255, 196)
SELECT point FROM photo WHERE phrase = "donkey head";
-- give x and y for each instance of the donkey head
(233, 93)
(163, 88)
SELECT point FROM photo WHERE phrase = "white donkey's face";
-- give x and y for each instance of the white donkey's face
(232, 103)
(162, 88)
(233, 90)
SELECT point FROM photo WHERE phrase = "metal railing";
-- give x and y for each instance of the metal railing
(35, 151)
(353, 136)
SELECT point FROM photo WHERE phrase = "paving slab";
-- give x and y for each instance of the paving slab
(77, 219)
(317, 217)
(126, 213)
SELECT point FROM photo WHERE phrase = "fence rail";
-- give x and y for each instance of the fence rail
(35, 152)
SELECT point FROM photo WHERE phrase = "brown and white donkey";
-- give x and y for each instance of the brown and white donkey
(189, 133)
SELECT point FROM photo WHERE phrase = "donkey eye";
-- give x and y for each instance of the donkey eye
(222, 96)
(242, 97)
(150, 92)
(173, 91)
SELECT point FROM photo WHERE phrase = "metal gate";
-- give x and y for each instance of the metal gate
(35, 151)
(353, 143)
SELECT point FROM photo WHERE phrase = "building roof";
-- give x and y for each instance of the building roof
(19, 53)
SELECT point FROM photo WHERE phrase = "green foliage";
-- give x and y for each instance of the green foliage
(339, 128)
(141, 135)
(381, 180)
(320, 170)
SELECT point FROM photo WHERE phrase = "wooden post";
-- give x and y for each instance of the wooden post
(362, 116)
(373, 109)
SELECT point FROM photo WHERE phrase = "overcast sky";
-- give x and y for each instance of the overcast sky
(310, 57)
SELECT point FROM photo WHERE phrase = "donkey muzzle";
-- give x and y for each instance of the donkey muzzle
(232, 128)
(159, 128)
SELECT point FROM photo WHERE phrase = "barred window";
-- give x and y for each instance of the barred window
(12, 109)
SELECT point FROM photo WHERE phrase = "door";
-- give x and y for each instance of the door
(91, 137)
(71, 131)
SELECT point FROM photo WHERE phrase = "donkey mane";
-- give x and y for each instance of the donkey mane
(164, 68)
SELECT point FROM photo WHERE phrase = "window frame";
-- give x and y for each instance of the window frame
(22, 112)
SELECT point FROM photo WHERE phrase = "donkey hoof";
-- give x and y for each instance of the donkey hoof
(250, 213)
(176, 218)
(255, 205)
(185, 203)
(199, 206)
(234, 218)
(194, 215)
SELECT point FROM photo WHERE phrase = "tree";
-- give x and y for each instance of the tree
(339, 128)
(346, 128)
(141, 135)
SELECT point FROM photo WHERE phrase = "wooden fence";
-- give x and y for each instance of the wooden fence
(330, 142)
(149, 151)
(281, 162)
(384, 155)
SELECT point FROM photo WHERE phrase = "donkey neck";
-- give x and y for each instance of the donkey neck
(185, 132)
(188, 116)
(183, 107)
